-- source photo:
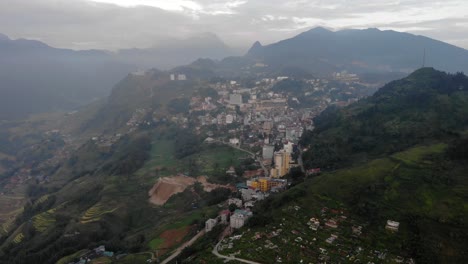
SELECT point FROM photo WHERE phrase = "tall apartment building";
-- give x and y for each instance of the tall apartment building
(282, 159)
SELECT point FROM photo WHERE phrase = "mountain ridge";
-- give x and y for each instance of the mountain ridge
(362, 50)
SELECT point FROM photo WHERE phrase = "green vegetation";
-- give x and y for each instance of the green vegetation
(206, 160)
(397, 155)
(161, 158)
(179, 105)
(68, 259)
(155, 243)
(428, 106)
(184, 222)
(134, 259)
(421, 188)
(213, 160)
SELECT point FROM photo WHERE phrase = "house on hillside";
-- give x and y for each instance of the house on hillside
(234, 141)
(210, 224)
(392, 225)
(332, 223)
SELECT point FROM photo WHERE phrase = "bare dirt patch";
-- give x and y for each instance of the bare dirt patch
(168, 186)
(173, 237)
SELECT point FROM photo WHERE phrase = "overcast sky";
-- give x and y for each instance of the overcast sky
(114, 24)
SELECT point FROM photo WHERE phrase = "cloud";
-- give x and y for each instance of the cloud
(173, 5)
(113, 24)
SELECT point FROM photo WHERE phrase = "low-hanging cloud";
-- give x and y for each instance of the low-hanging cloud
(115, 24)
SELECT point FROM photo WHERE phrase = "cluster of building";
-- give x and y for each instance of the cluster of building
(264, 118)
(105, 142)
(255, 190)
(89, 255)
(345, 76)
(235, 220)
(178, 77)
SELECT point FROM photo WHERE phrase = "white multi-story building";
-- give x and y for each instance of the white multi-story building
(239, 218)
(229, 119)
(209, 224)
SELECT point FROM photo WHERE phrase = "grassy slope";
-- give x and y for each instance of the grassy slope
(210, 158)
(415, 187)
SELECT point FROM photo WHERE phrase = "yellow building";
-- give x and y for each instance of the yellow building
(265, 184)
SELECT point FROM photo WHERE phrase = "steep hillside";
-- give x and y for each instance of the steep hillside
(150, 95)
(36, 78)
(322, 51)
(422, 188)
(426, 106)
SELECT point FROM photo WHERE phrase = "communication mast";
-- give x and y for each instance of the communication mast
(424, 58)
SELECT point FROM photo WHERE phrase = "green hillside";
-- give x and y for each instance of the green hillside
(100, 196)
(425, 107)
(421, 188)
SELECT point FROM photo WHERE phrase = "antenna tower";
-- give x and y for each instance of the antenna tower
(424, 58)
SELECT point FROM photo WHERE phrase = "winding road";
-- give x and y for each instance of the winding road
(216, 253)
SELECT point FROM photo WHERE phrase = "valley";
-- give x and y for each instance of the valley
(92, 168)
(272, 157)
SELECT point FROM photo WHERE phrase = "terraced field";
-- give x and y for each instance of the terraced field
(18, 238)
(41, 200)
(10, 207)
(8, 220)
(43, 221)
(94, 213)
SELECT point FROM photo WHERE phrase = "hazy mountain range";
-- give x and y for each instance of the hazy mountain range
(176, 52)
(321, 51)
(35, 77)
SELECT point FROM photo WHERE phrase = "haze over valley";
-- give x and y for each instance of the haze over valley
(233, 132)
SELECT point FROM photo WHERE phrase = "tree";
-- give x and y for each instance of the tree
(179, 105)
(232, 207)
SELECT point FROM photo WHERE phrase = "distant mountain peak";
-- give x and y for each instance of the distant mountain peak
(319, 30)
(373, 29)
(4, 37)
(255, 47)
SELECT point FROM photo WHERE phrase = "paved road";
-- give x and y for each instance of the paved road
(186, 244)
(216, 253)
(259, 160)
